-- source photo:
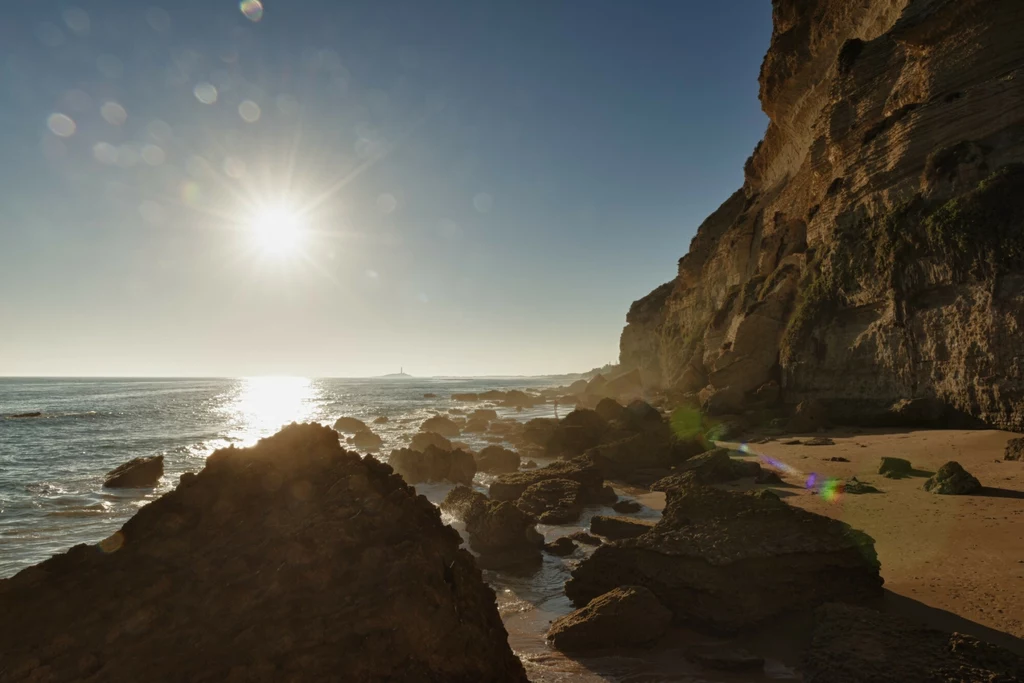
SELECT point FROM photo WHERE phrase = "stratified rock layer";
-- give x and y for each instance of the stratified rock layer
(725, 561)
(873, 259)
(290, 560)
(630, 615)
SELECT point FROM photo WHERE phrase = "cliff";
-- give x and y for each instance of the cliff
(875, 252)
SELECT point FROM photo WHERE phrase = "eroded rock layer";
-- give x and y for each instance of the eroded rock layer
(875, 253)
(290, 560)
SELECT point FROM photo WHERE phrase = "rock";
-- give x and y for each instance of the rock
(895, 468)
(433, 464)
(580, 430)
(493, 395)
(349, 425)
(138, 473)
(439, 424)
(456, 411)
(627, 507)
(625, 386)
(638, 451)
(953, 480)
(229, 578)
(1014, 450)
(511, 486)
(852, 644)
(538, 431)
(578, 387)
(429, 395)
(810, 416)
(616, 528)
(792, 442)
(855, 487)
(609, 409)
(768, 394)
(622, 617)
(475, 426)
(520, 399)
(486, 414)
(20, 416)
(465, 397)
(713, 467)
(383, 419)
(768, 478)
(530, 465)
(367, 441)
(596, 387)
(728, 659)
(560, 546)
(503, 535)
(423, 440)
(584, 538)
(552, 501)
(497, 460)
(838, 458)
(725, 561)
(820, 441)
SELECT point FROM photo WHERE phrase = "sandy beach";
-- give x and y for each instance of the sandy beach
(955, 562)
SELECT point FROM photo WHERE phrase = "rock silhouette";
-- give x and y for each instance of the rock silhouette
(137, 473)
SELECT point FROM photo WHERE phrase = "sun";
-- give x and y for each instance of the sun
(277, 229)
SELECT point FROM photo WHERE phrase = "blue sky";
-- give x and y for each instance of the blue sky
(479, 187)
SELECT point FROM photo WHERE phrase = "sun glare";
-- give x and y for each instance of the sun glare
(277, 230)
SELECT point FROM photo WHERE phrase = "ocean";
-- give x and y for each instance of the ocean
(52, 469)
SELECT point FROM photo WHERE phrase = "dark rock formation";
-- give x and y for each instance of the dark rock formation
(853, 644)
(583, 538)
(530, 465)
(953, 480)
(627, 507)
(383, 419)
(138, 473)
(580, 430)
(421, 441)
(349, 425)
(366, 441)
(873, 254)
(475, 426)
(439, 424)
(728, 659)
(538, 431)
(466, 397)
(484, 414)
(503, 535)
(713, 467)
(622, 617)
(520, 399)
(820, 441)
(582, 470)
(497, 460)
(433, 464)
(856, 487)
(20, 416)
(560, 546)
(231, 577)
(552, 501)
(609, 409)
(429, 395)
(1014, 450)
(617, 528)
(724, 561)
(894, 468)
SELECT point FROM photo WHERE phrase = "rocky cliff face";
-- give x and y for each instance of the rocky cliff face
(876, 250)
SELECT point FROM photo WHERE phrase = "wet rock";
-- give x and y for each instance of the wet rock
(229, 578)
(367, 441)
(429, 395)
(486, 414)
(493, 395)
(810, 416)
(349, 425)
(713, 467)
(497, 460)
(560, 546)
(1014, 450)
(20, 416)
(725, 561)
(511, 486)
(894, 468)
(622, 617)
(580, 430)
(383, 419)
(583, 538)
(853, 644)
(433, 464)
(728, 659)
(552, 501)
(503, 535)
(538, 431)
(520, 399)
(439, 424)
(423, 440)
(627, 507)
(138, 473)
(952, 480)
(617, 528)
(820, 441)
(475, 426)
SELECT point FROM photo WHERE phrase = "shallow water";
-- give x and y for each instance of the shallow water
(52, 467)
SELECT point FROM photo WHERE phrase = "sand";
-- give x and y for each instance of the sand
(954, 562)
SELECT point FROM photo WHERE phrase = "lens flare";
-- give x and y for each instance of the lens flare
(252, 9)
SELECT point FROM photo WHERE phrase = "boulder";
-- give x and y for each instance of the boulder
(433, 464)
(367, 441)
(1014, 450)
(583, 538)
(503, 535)
(229, 578)
(894, 468)
(810, 416)
(627, 507)
(349, 425)
(579, 431)
(497, 460)
(487, 414)
(475, 426)
(627, 386)
(423, 440)
(429, 395)
(622, 617)
(493, 395)
(439, 424)
(953, 480)
(530, 465)
(21, 416)
(617, 528)
(577, 387)
(538, 431)
(620, 458)
(383, 419)
(609, 409)
(560, 546)
(852, 644)
(856, 487)
(713, 467)
(138, 473)
(596, 387)
(465, 397)
(511, 486)
(520, 399)
(552, 501)
(725, 561)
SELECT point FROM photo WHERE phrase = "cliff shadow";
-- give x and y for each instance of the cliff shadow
(933, 617)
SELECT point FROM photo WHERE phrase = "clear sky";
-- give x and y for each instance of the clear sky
(344, 187)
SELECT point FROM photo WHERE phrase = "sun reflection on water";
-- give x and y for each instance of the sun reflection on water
(265, 404)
